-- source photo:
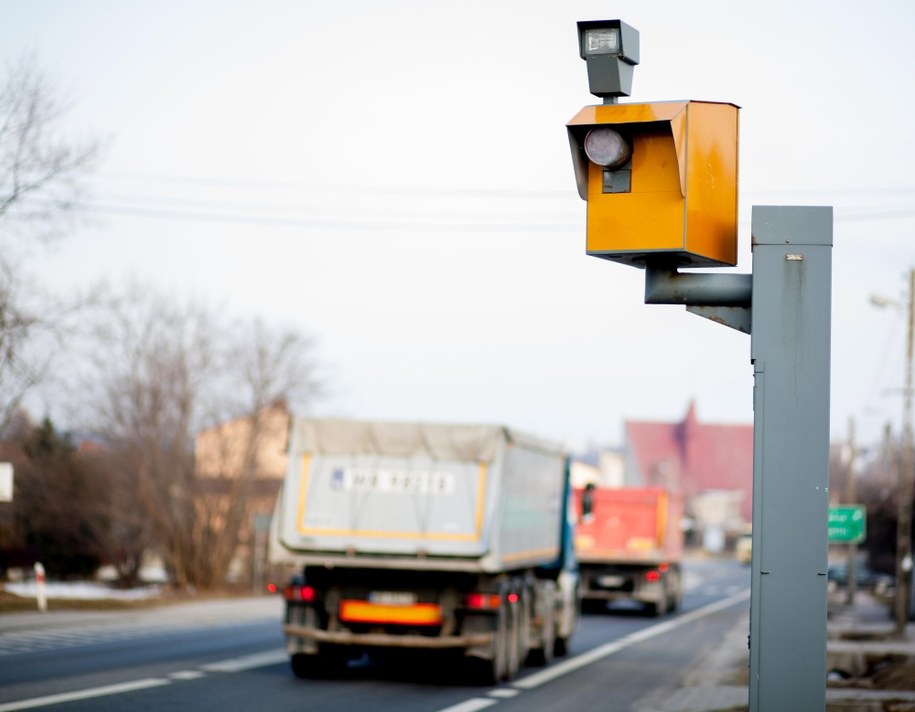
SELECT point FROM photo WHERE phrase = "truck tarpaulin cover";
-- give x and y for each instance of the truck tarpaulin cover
(420, 489)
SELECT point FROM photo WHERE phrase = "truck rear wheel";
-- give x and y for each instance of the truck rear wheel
(327, 663)
(491, 671)
(659, 608)
(544, 654)
(513, 641)
(676, 593)
(302, 665)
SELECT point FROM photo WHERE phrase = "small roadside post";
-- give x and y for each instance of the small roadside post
(6, 482)
(40, 590)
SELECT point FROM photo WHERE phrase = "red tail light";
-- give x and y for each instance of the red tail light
(513, 598)
(663, 567)
(652, 576)
(305, 594)
(483, 600)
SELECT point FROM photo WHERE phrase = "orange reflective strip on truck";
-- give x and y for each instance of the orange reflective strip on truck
(352, 611)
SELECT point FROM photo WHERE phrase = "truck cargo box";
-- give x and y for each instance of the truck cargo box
(420, 495)
(638, 524)
(629, 542)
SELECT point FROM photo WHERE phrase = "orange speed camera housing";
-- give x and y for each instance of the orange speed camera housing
(671, 196)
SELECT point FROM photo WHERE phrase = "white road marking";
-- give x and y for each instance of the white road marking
(591, 656)
(84, 694)
(603, 651)
(504, 693)
(471, 705)
(247, 662)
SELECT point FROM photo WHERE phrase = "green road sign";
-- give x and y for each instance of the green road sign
(847, 524)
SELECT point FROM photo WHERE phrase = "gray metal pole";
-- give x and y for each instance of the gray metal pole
(904, 495)
(790, 345)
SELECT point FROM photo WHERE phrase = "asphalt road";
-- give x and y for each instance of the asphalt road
(188, 661)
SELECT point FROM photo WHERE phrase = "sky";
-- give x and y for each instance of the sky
(394, 179)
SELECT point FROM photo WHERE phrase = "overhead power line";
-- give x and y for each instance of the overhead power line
(340, 222)
(378, 215)
(393, 219)
(219, 182)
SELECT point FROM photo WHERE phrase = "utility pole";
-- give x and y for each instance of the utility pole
(851, 494)
(904, 501)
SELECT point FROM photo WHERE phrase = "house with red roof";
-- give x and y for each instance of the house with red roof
(710, 465)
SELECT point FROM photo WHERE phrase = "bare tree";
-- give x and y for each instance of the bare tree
(41, 175)
(18, 324)
(165, 371)
(41, 171)
(243, 461)
(123, 531)
(274, 365)
(151, 359)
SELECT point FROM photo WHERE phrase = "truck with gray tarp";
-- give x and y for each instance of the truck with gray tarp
(445, 539)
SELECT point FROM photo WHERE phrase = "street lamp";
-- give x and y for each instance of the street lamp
(904, 481)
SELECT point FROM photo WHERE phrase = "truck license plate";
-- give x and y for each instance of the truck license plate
(610, 581)
(393, 598)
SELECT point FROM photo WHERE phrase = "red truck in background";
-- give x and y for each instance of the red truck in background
(629, 543)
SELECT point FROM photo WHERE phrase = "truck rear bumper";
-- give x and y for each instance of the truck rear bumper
(384, 640)
(651, 596)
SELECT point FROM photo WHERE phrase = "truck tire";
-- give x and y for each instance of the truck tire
(676, 600)
(544, 654)
(676, 594)
(659, 608)
(303, 665)
(561, 647)
(527, 616)
(513, 640)
(328, 663)
(491, 671)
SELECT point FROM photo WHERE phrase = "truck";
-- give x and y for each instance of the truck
(451, 540)
(629, 542)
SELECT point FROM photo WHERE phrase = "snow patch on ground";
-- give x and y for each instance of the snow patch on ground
(86, 591)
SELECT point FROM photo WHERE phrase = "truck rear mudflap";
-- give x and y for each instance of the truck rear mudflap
(387, 640)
